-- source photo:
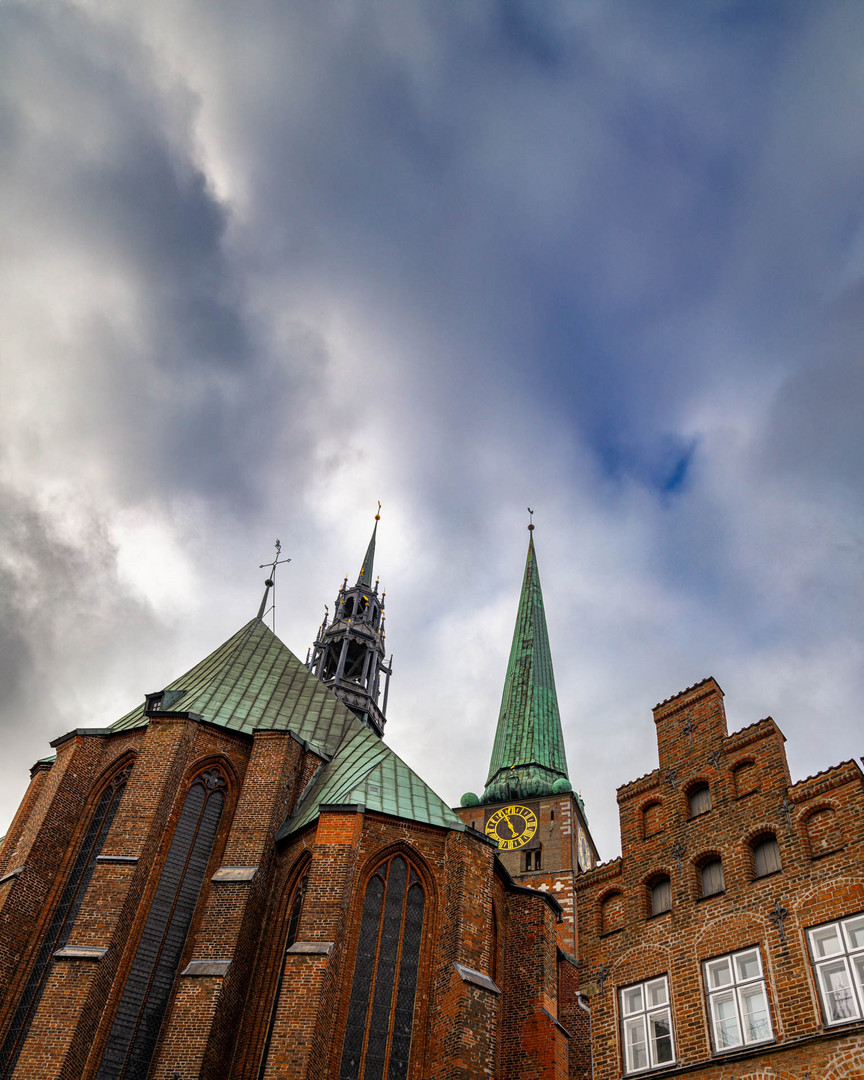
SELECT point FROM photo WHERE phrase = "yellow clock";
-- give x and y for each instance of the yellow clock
(511, 827)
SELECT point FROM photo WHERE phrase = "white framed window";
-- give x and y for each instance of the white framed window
(646, 1025)
(838, 957)
(737, 1001)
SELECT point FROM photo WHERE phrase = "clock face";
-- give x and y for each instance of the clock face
(511, 827)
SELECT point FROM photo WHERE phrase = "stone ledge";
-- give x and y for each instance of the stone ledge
(121, 859)
(235, 873)
(11, 874)
(80, 952)
(206, 967)
(476, 978)
(311, 948)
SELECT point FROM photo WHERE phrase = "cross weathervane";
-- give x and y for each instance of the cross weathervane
(270, 583)
(530, 520)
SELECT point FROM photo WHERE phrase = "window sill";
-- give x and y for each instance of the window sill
(658, 915)
(710, 896)
(656, 1070)
(763, 877)
(701, 814)
(741, 1051)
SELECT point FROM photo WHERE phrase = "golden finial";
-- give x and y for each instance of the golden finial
(378, 515)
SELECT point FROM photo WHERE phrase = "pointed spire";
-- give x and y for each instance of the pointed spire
(528, 755)
(365, 575)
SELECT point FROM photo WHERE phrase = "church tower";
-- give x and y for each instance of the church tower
(528, 806)
(348, 654)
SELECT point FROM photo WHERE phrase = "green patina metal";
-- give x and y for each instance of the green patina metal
(365, 576)
(528, 754)
(253, 682)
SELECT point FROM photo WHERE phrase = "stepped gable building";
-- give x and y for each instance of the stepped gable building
(727, 941)
(239, 879)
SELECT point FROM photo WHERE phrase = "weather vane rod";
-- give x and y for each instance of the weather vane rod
(531, 520)
(270, 583)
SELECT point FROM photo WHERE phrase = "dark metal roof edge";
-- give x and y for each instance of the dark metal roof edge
(105, 731)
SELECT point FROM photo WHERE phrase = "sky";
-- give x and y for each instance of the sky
(263, 265)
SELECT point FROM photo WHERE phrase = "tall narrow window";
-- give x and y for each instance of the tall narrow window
(737, 1001)
(381, 1008)
(766, 856)
(62, 920)
(838, 955)
(295, 907)
(660, 895)
(700, 800)
(711, 877)
(148, 986)
(646, 1023)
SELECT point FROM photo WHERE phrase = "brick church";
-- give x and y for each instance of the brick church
(239, 879)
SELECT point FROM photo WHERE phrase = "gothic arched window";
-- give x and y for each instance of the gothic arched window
(381, 1009)
(292, 914)
(62, 920)
(148, 986)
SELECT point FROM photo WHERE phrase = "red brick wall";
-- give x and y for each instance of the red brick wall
(812, 888)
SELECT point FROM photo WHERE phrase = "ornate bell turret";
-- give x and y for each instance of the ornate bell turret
(348, 653)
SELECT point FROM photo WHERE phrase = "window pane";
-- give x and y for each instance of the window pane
(700, 800)
(719, 973)
(661, 896)
(661, 1038)
(855, 933)
(839, 1000)
(656, 993)
(754, 1008)
(727, 1031)
(631, 1000)
(766, 857)
(635, 1044)
(712, 878)
(826, 942)
(748, 965)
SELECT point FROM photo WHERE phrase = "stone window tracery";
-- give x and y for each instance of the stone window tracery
(147, 990)
(378, 1034)
(63, 919)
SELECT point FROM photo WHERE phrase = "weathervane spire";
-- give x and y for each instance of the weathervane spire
(270, 583)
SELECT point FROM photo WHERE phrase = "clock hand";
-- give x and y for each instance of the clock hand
(510, 823)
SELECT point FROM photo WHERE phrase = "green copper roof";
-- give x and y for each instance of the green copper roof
(528, 756)
(365, 770)
(365, 575)
(255, 683)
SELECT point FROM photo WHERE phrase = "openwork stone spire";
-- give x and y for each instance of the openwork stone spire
(528, 755)
(348, 654)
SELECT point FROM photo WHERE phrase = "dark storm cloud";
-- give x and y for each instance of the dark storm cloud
(265, 265)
